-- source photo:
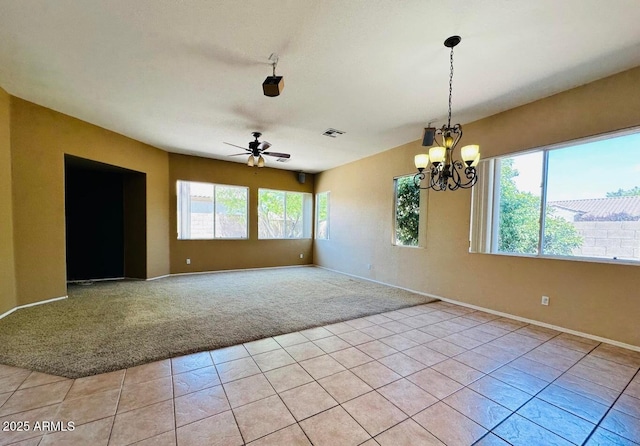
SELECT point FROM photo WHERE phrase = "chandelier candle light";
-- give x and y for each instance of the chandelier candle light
(445, 172)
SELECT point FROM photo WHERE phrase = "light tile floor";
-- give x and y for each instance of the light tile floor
(427, 375)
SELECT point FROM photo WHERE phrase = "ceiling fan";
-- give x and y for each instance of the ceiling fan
(257, 149)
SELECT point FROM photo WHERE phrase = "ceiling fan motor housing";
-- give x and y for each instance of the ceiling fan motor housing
(273, 85)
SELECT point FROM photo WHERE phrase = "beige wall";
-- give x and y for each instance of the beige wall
(39, 139)
(213, 255)
(595, 298)
(7, 266)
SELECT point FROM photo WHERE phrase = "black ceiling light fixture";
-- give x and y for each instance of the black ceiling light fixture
(256, 149)
(445, 172)
(273, 85)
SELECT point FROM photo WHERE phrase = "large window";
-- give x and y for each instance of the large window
(211, 211)
(579, 200)
(407, 212)
(284, 214)
(322, 215)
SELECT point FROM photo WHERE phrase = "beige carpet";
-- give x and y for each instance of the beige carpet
(113, 325)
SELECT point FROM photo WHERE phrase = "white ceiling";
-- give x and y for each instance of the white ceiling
(186, 75)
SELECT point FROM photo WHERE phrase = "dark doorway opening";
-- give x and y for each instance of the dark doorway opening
(105, 211)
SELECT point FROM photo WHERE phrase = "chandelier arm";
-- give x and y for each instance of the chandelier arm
(417, 180)
(434, 180)
(455, 176)
(440, 183)
(435, 137)
(470, 174)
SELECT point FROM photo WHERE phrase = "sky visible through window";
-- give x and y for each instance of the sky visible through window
(584, 171)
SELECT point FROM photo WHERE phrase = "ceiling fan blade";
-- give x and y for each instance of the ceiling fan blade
(238, 154)
(276, 154)
(264, 145)
(239, 147)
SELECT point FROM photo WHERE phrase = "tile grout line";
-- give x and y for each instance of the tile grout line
(235, 420)
(173, 396)
(610, 408)
(377, 360)
(536, 395)
(326, 353)
(488, 374)
(511, 330)
(338, 404)
(374, 389)
(378, 393)
(117, 405)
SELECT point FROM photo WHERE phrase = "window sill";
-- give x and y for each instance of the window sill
(291, 238)
(210, 239)
(565, 258)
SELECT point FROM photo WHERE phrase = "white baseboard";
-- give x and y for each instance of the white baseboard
(381, 283)
(31, 305)
(157, 277)
(95, 280)
(500, 313)
(240, 269)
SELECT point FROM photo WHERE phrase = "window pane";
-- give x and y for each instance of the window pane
(231, 212)
(270, 213)
(322, 215)
(519, 203)
(195, 210)
(407, 205)
(307, 214)
(593, 212)
(294, 222)
(284, 214)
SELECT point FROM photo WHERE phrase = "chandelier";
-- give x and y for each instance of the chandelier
(445, 172)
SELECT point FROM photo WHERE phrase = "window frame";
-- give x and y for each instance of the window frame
(213, 199)
(482, 243)
(422, 208)
(307, 214)
(317, 214)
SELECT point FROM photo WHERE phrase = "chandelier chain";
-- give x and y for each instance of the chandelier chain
(450, 88)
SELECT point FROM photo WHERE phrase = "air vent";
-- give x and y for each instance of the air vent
(332, 133)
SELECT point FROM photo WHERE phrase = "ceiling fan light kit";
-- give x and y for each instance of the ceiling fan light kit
(444, 172)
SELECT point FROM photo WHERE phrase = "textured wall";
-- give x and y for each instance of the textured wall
(40, 138)
(213, 255)
(7, 266)
(596, 298)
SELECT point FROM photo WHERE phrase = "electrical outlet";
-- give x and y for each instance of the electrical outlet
(301, 256)
(188, 261)
(545, 300)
